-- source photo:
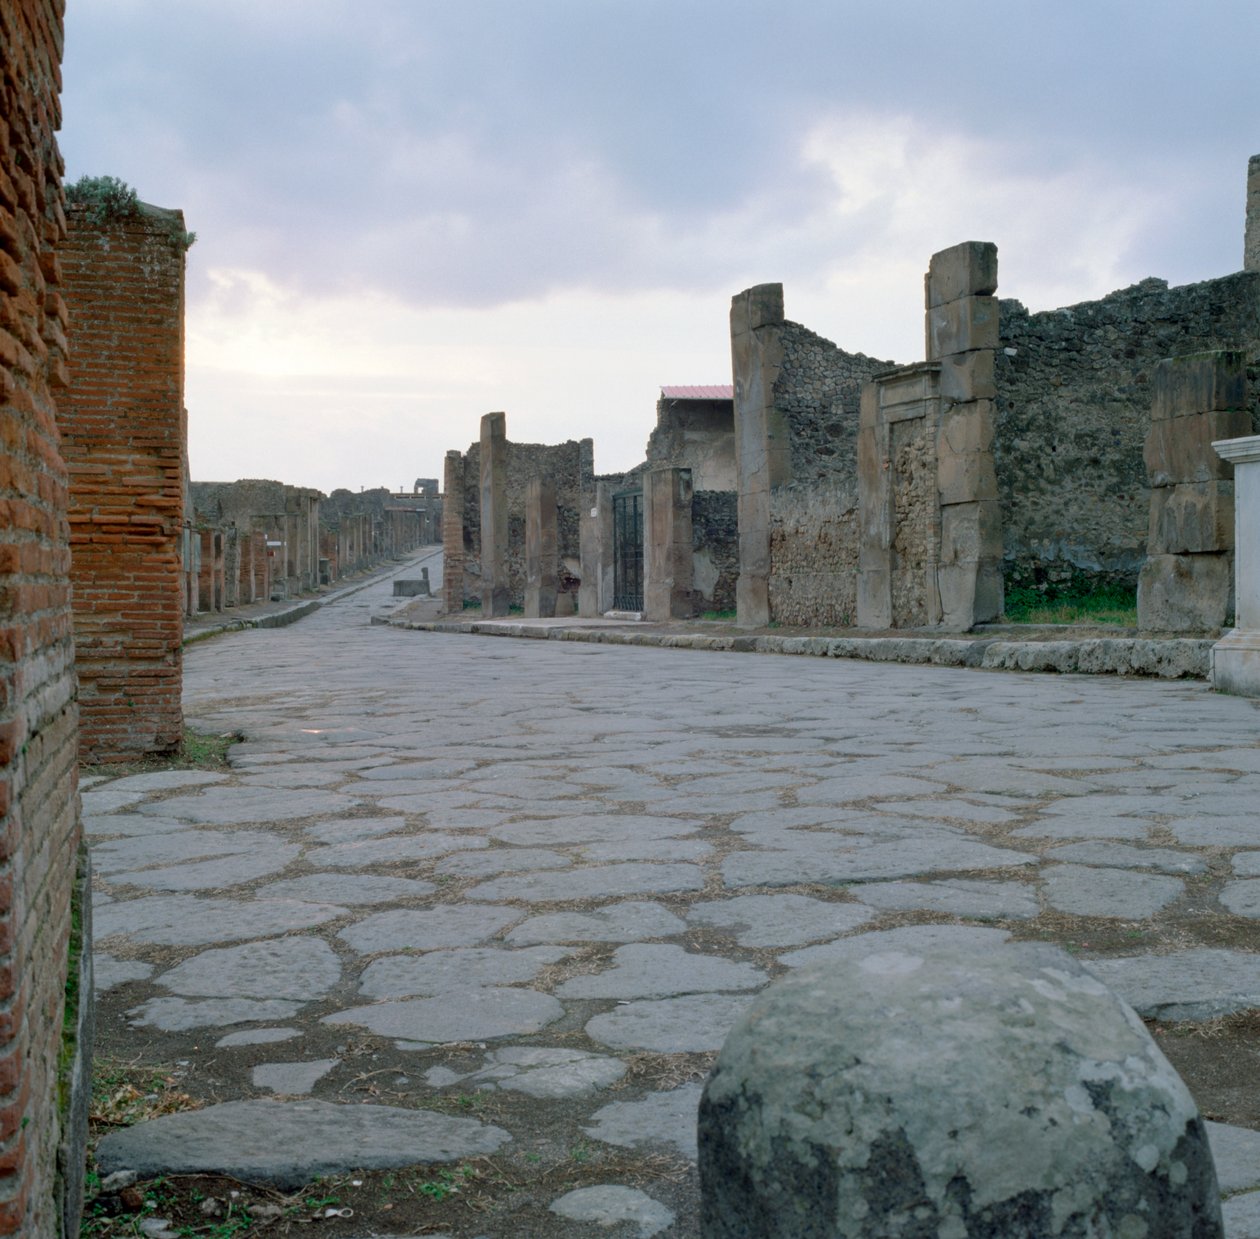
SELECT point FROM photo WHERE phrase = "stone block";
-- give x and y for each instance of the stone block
(1013, 1096)
(1199, 383)
(970, 593)
(868, 410)
(971, 531)
(541, 561)
(874, 597)
(1185, 593)
(1236, 664)
(962, 326)
(966, 428)
(1191, 518)
(965, 476)
(1179, 449)
(759, 306)
(1251, 233)
(966, 270)
(968, 376)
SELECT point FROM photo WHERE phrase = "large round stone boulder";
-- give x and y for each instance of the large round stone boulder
(942, 1093)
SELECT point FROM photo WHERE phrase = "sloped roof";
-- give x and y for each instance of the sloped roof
(713, 392)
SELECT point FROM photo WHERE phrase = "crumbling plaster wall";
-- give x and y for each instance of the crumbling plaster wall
(1073, 409)
(698, 435)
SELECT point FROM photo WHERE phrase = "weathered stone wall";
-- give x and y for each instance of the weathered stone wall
(715, 548)
(814, 553)
(124, 438)
(698, 435)
(39, 827)
(1073, 407)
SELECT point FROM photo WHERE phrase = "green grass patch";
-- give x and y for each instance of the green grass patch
(724, 616)
(1109, 605)
(196, 751)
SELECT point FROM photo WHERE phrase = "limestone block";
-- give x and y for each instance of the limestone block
(874, 597)
(1184, 593)
(970, 593)
(965, 476)
(971, 531)
(1199, 383)
(1236, 664)
(968, 376)
(868, 410)
(966, 427)
(541, 561)
(962, 326)
(966, 270)
(1013, 1096)
(759, 306)
(1191, 517)
(1251, 235)
(1179, 449)
(495, 591)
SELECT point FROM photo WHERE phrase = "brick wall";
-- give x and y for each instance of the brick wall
(39, 829)
(122, 422)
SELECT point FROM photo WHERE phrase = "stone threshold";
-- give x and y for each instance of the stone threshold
(1169, 658)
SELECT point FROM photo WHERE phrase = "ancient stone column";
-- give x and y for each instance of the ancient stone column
(453, 534)
(1236, 657)
(1186, 581)
(667, 550)
(1251, 241)
(540, 549)
(763, 457)
(595, 531)
(495, 594)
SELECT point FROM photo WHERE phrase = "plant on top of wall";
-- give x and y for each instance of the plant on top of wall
(107, 199)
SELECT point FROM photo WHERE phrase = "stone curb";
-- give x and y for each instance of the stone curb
(1170, 659)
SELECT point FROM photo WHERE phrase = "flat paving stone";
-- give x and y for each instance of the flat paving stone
(909, 939)
(186, 920)
(957, 810)
(537, 1071)
(606, 828)
(426, 929)
(120, 855)
(692, 1024)
(632, 921)
(110, 825)
(1246, 864)
(441, 972)
(389, 850)
(1237, 832)
(292, 1079)
(501, 860)
(107, 799)
(1188, 985)
(1114, 893)
(352, 889)
(301, 968)
(667, 1118)
(1241, 1215)
(866, 787)
(182, 1014)
(257, 1036)
(779, 920)
(595, 882)
(226, 806)
(217, 874)
(661, 970)
(1121, 856)
(1071, 826)
(290, 1143)
(1242, 898)
(610, 1204)
(348, 829)
(484, 1014)
(166, 780)
(108, 971)
(955, 897)
(647, 849)
(1236, 1152)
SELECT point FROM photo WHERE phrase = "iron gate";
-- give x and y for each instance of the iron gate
(628, 551)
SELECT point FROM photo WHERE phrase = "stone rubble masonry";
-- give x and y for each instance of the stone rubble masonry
(668, 591)
(695, 434)
(1186, 583)
(715, 548)
(1251, 236)
(39, 827)
(1236, 657)
(540, 549)
(124, 437)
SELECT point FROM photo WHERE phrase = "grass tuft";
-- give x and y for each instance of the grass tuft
(1109, 605)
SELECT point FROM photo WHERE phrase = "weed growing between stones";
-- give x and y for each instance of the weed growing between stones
(196, 751)
(1109, 605)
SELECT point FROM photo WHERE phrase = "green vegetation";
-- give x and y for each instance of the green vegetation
(724, 616)
(1108, 605)
(196, 751)
(108, 199)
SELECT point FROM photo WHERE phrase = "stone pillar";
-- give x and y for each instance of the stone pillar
(495, 595)
(1236, 657)
(1011, 1095)
(763, 458)
(540, 549)
(1186, 582)
(1251, 241)
(595, 596)
(667, 551)
(452, 533)
(962, 334)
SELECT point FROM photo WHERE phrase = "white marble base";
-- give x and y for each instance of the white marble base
(1236, 664)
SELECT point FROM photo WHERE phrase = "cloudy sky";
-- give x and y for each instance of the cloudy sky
(412, 212)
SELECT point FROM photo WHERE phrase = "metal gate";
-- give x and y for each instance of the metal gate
(628, 551)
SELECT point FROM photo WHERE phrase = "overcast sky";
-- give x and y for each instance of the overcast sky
(410, 213)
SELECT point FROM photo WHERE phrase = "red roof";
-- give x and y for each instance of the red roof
(717, 392)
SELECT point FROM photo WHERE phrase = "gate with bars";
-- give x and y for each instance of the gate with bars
(628, 551)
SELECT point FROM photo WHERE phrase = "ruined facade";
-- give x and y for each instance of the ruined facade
(45, 1051)
(125, 440)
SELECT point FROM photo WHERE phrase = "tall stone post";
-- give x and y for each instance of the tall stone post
(595, 531)
(1251, 239)
(962, 334)
(762, 450)
(453, 534)
(495, 595)
(540, 549)
(1186, 581)
(668, 591)
(1236, 657)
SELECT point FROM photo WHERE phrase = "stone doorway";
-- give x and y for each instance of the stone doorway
(628, 551)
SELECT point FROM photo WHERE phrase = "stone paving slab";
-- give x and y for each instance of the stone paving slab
(645, 970)
(484, 1014)
(1186, 985)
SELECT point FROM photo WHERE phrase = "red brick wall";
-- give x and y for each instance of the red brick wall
(125, 445)
(39, 829)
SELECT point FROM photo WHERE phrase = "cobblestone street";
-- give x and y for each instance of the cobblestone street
(513, 894)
